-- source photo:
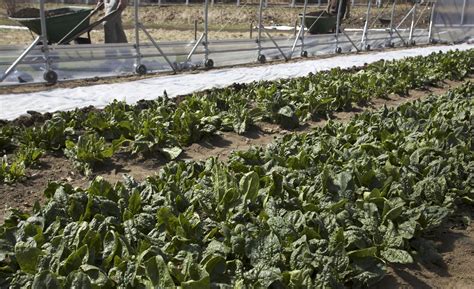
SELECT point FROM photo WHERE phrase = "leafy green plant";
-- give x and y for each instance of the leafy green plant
(330, 208)
(89, 151)
(11, 172)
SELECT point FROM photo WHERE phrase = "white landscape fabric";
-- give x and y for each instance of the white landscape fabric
(14, 105)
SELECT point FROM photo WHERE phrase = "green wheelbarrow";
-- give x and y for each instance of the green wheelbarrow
(63, 25)
(319, 22)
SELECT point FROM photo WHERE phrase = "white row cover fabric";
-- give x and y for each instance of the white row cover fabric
(14, 105)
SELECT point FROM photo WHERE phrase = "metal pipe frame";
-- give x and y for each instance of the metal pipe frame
(463, 12)
(138, 60)
(17, 61)
(274, 43)
(44, 42)
(195, 47)
(392, 13)
(303, 19)
(412, 25)
(430, 29)
(206, 30)
(338, 23)
(204, 39)
(350, 40)
(300, 34)
(259, 35)
(363, 41)
(405, 17)
(44, 36)
(157, 46)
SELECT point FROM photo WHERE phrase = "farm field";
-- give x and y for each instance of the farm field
(362, 167)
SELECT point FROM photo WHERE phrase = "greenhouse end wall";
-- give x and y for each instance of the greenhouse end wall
(453, 21)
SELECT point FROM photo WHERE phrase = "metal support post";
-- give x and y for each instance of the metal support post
(338, 23)
(207, 61)
(412, 25)
(49, 75)
(363, 42)
(204, 39)
(303, 53)
(260, 56)
(430, 29)
(463, 11)
(300, 35)
(138, 62)
(392, 13)
(44, 35)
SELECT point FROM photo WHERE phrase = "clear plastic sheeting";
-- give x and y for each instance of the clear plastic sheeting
(453, 21)
(89, 61)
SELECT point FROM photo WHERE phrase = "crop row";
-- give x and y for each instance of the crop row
(330, 208)
(163, 126)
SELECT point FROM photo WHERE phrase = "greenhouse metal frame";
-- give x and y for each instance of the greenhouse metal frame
(143, 57)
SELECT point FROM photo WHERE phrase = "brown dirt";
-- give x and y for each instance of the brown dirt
(456, 246)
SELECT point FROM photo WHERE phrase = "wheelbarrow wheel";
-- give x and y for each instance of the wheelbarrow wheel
(261, 58)
(209, 63)
(338, 50)
(51, 77)
(141, 69)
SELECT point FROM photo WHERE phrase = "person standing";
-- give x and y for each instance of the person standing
(113, 28)
(333, 6)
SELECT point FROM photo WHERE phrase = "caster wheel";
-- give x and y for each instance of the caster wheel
(261, 58)
(209, 63)
(141, 69)
(304, 53)
(338, 50)
(367, 47)
(50, 77)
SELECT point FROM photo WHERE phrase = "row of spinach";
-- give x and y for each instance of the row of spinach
(163, 126)
(325, 209)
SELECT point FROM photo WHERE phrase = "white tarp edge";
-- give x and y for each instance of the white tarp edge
(14, 105)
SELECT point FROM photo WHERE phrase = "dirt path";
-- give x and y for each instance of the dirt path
(56, 167)
(455, 270)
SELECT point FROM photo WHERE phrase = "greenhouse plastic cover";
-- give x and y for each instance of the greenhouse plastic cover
(89, 61)
(14, 105)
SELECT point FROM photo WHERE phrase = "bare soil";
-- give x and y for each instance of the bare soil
(455, 243)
